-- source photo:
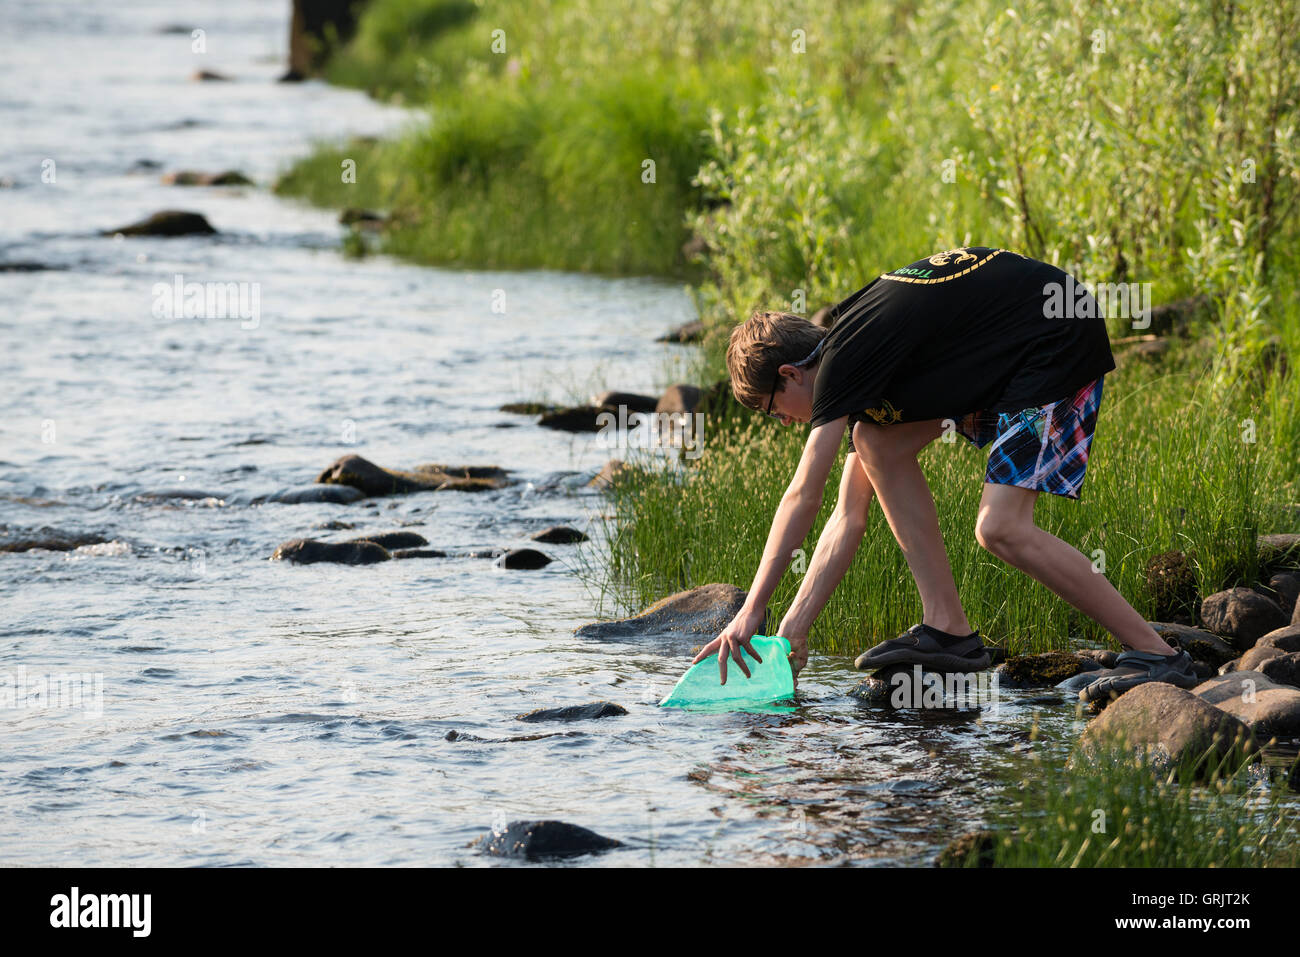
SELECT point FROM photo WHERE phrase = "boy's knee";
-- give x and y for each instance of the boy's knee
(998, 534)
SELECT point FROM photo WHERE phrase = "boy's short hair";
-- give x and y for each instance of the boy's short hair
(761, 345)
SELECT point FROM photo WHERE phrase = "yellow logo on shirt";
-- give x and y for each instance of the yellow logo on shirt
(886, 414)
(949, 257)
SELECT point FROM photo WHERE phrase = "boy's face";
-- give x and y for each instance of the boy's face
(793, 402)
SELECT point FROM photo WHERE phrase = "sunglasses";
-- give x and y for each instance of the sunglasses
(772, 398)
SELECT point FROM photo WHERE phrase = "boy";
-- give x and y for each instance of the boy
(970, 340)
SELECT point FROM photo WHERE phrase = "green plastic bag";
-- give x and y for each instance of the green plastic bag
(773, 680)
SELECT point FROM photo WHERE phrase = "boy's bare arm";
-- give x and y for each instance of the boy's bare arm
(794, 519)
(836, 547)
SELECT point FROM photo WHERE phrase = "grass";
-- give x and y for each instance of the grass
(1119, 810)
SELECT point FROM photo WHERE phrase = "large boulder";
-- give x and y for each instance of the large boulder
(542, 840)
(1168, 724)
(169, 222)
(1202, 645)
(1286, 639)
(1242, 614)
(1269, 709)
(692, 617)
(308, 551)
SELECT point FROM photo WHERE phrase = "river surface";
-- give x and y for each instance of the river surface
(262, 713)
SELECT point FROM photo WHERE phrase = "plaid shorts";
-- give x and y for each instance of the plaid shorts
(1043, 448)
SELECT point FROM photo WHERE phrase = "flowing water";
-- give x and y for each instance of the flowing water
(243, 711)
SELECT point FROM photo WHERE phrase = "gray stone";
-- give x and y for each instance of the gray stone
(695, 616)
(576, 712)
(168, 222)
(1269, 709)
(420, 553)
(1241, 614)
(1168, 724)
(1200, 644)
(308, 551)
(542, 840)
(558, 535)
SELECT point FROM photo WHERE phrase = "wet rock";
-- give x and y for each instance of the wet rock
(1283, 669)
(1043, 670)
(633, 401)
(1283, 588)
(1242, 615)
(542, 840)
(1103, 656)
(1251, 660)
(526, 408)
(577, 712)
(1169, 724)
(1269, 709)
(189, 177)
(419, 553)
(208, 76)
(308, 551)
(694, 616)
(692, 331)
(373, 480)
(179, 495)
(355, 216)
(558, 535)
(973, 849)
(335, 494)
(576, 418)
(524, 558)
(679, 398)
(1287, 638)
(45, 538)
(391, 540)
(911, 686)
(1200, 644)
(1172, 582)
(24, 267)
(168, 222)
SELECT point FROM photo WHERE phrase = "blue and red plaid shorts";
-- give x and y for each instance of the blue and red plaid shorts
(1043, 448)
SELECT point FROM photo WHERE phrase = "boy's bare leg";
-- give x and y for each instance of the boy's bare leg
(888, 453)
(1006, 528)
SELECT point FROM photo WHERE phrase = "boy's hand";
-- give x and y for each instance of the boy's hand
(735, 636)
(798, 654)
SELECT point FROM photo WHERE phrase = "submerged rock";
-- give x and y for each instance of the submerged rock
(696, 615)
(308, 551)
(1043, 670)
(1169, 724)
(558, 535)
(576, 712)
(1269, 709)
(539, 840)
(335, 494)
(179, 494)
(169, 222)
(373, 480)
(1242, 614)
(524, 558)
(419, 553)
(46, 538)
(189, 177)
(391, 540)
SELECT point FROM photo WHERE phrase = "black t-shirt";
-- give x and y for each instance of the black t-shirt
(962, 331)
